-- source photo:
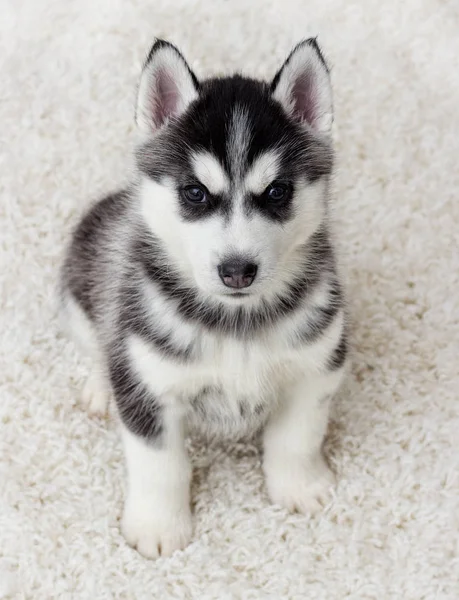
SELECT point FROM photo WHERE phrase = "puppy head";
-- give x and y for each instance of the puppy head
(234, 172)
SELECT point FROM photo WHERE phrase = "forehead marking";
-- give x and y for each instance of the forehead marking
(210, 172)
(263, 171)
(239, 138)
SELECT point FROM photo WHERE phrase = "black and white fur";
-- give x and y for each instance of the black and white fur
(229, 171)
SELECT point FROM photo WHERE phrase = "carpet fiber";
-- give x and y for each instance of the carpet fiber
(68, 73)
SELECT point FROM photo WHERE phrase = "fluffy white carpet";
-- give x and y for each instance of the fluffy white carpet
(68, 71)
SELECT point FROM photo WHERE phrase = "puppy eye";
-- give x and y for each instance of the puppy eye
(195, 194)
(278, 192)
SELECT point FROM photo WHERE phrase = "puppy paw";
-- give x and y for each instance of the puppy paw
(96, 395)
(156, 531)
(298, 485)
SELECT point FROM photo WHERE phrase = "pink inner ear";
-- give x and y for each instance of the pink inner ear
(165, 97)
(304, 99)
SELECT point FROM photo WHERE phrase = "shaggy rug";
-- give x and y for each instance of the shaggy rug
(68, 75)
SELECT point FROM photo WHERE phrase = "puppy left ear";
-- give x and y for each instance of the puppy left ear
(302, 86)
(167, 87)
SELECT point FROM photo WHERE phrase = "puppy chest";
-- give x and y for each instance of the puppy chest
(240, 368)
(233, 388)
(227, 385)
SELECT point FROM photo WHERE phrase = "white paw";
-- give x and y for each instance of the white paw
(299, 485)
(156, 531)
(96, 395)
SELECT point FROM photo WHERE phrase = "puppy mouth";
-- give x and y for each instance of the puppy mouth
(236, 294)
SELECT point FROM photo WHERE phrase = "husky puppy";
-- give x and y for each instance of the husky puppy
(207, 292)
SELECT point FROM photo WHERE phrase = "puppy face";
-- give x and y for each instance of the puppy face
(234, 172)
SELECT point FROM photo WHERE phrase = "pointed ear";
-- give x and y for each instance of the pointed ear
(302, 86)
(167, 86)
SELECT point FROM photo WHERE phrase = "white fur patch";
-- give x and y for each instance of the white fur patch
(210, 172)
(157, 371)
(263, 171)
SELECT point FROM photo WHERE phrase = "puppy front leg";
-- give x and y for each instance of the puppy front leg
(157, 517)
(297, 475)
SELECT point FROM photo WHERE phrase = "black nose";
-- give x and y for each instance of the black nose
(237, 273)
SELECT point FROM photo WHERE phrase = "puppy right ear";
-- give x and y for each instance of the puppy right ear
(166, 89)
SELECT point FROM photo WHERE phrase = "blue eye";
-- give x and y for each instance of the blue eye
(195, 194)
(277, 192)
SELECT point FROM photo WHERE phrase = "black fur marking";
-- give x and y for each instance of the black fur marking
(244, 408)
(137, 406)
(321, 317)
(196, 212)
(134, 321)
(275, 211)
(86, 252)
(238, 321)
(165, 345)
(339, 354)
